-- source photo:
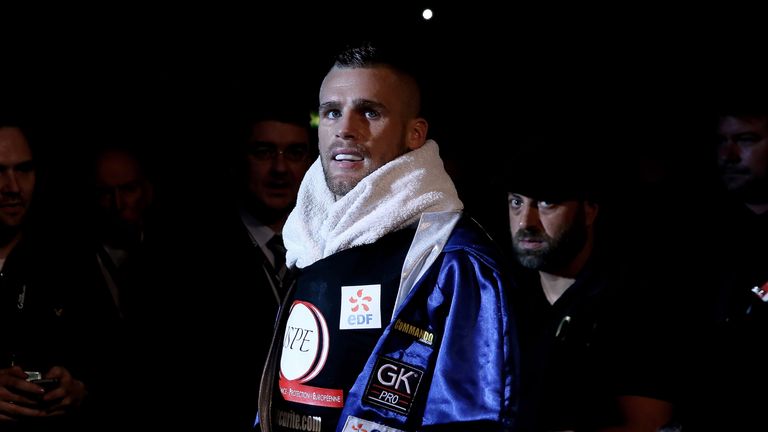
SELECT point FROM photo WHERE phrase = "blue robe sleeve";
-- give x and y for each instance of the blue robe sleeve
(449, 356)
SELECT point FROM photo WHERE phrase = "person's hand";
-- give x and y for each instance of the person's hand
(16, 396)
(67, 396)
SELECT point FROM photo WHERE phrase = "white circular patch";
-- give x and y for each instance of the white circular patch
(305, 343)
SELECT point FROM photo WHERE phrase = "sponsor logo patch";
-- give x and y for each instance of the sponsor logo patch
(393, 385)
(305, 350)
(292, 391)
(354, 424)
(305, 343)
(300, 422)
(422, 336)
(761, 292)
(360, 307)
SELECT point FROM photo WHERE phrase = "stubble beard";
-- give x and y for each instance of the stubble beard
(342, 186)
(557, 252)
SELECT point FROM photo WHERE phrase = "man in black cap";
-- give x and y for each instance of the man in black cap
(580, 333)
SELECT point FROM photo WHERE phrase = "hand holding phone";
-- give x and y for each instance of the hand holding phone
(47, 384)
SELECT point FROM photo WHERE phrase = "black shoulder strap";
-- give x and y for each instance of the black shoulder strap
(267, 385)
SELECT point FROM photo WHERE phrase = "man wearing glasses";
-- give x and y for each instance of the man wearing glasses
(274, 150)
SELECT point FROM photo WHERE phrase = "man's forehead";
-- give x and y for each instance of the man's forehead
(371, 80)
(277, 132)
(13, 146)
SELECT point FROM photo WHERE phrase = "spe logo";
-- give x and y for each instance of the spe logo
(393, 385)
(305, 343)
(360, 307)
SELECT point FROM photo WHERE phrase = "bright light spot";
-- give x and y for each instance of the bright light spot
(427, 14)
(314, 119)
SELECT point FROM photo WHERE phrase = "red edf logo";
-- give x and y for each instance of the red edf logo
(363, 300)
(359, 426)
(360, 308)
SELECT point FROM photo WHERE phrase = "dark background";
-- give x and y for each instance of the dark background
(640, 84)
(627, 95)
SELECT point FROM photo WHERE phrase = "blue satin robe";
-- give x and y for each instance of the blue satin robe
(469, 372)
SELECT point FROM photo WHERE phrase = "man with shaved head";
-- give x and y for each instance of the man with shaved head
(397, 320)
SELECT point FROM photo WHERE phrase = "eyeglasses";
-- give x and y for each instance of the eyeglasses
(266, 152)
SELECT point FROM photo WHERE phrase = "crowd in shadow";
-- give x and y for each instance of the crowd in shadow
(142, 263)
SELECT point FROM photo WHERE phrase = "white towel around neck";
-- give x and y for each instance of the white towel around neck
(389, 199)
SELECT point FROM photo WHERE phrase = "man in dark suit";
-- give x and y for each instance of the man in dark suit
(247, 266)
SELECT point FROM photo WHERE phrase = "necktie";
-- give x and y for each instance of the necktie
(275, 244)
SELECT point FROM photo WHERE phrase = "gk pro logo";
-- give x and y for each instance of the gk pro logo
(393, 385)
(396, 378)
(360, 307)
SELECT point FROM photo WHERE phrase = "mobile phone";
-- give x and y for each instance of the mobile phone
(47, 384)
(36, 377)
(33, 375)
